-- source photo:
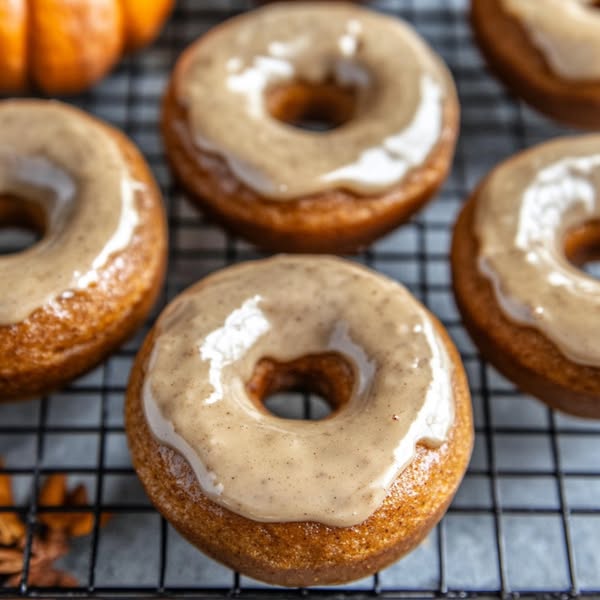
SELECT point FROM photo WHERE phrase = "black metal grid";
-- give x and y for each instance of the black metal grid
(527, 518)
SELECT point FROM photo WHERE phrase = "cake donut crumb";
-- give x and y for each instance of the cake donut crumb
(288, 502)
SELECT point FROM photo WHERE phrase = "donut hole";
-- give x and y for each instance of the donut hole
(326, 380)
(22, 224)
(582, 248)
(312, 107)
(297, 406)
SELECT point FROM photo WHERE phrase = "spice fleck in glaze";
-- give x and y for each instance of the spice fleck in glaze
(76, 174)
(336, 471)
(399, 84)
(525, 211)
(566, 32)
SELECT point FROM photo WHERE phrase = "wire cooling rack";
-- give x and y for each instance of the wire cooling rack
(526, 520)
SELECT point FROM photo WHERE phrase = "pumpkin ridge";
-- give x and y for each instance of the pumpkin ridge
(66, 46)
(29, 82)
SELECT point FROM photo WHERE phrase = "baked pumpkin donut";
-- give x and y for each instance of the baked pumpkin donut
(64, 47)
(533, 314)
(235, 95)
(299, 503)
(547, 52)
(91, 280)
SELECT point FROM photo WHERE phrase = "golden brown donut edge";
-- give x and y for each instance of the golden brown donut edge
(519, 352)
(303, 553)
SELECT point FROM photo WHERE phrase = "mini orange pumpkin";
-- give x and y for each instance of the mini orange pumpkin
(65, 46)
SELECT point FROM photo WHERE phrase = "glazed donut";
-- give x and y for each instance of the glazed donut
(547, 52)
(299, 503)
(533, 314)
(235, 94)
(90, 281)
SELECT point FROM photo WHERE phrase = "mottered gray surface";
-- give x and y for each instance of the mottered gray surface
(527, 517)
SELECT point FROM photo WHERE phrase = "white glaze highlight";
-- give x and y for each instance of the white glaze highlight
(229, 343)
(388, 163)
(120, 239)
(432, 422)
(349, 42)
(253, 81)
(340, 341)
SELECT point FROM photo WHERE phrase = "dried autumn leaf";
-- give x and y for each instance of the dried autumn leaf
(11, 561)
(43, 554)
(105, 518)
(53, 543)
(44, 577)
(77, 496)
(6, 496)
(11, 527)
(52, 546)
(54, 490)
(53, 493)
(82, 523)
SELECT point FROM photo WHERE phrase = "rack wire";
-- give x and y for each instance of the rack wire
(526, 521)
